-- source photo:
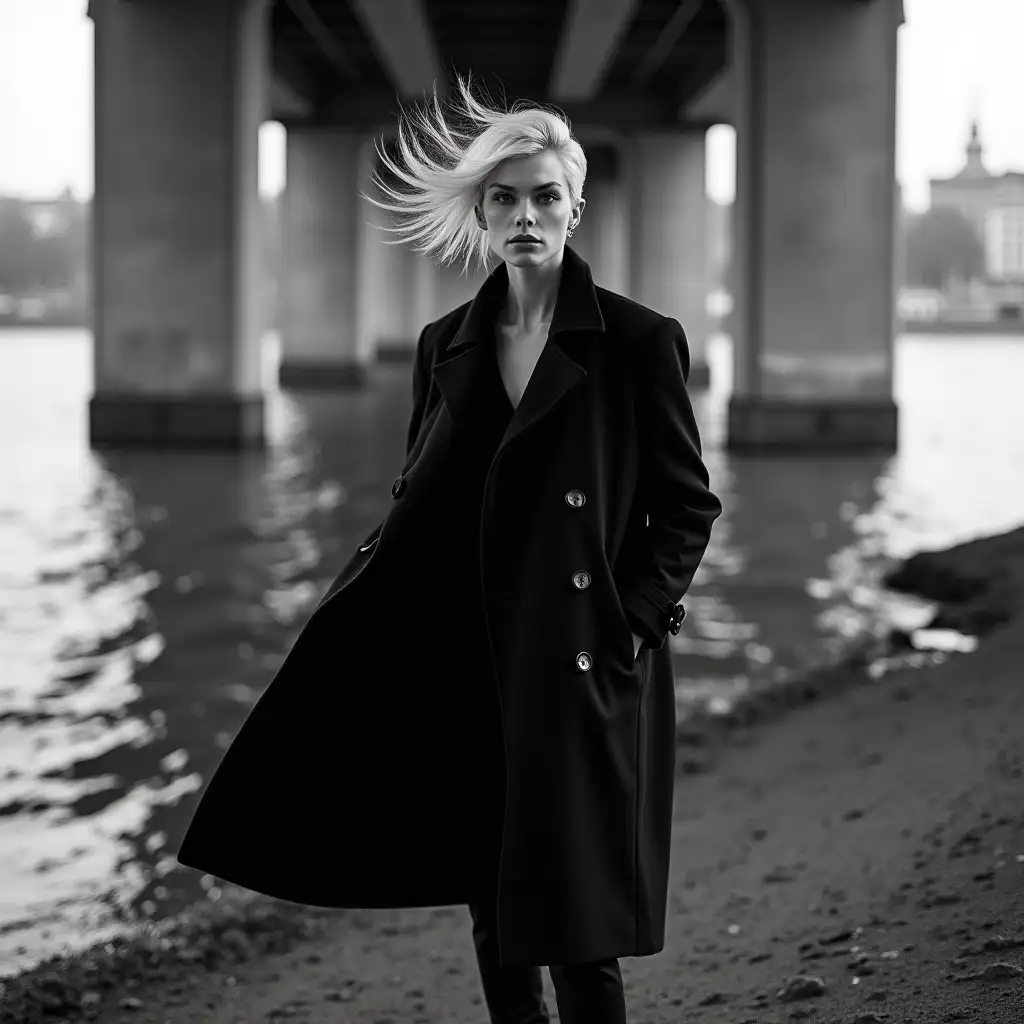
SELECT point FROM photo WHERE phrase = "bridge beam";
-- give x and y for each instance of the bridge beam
(403, 39)
(622, 110)
(717, 100)
(292, 91)
(587, 45)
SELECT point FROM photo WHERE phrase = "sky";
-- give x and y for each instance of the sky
(957, 58)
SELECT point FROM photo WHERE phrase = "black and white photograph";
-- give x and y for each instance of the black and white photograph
(511, 511)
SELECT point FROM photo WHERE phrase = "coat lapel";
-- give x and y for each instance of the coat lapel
(459, 369)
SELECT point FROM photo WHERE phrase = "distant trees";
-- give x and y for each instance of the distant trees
(56, 257)
(32, 261)
(941, 245)
(17, 240)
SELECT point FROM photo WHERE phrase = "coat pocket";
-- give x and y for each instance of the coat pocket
(623, 632)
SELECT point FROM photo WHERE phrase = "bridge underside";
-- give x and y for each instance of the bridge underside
(182, 88)
(628, 64)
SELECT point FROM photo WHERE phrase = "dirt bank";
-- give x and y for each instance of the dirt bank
(859, 858)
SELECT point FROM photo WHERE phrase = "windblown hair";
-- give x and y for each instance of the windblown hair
(446, 161)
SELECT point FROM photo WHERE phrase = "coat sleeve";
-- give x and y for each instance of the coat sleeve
(673, 484)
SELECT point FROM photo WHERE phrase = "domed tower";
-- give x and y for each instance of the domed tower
(975, 165)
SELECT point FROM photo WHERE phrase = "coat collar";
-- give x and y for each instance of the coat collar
(458, 369)
(576, 306)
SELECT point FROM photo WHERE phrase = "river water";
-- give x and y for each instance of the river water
(147, 598)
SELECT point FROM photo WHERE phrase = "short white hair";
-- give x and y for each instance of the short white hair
(445, 167)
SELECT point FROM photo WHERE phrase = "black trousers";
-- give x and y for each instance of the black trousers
(588, 993)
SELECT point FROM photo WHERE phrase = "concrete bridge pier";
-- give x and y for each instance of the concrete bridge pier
(815, 214)
(442, 289)
(602, 238)
(391, 280)
(669, 269)
(180, 93)
(348, 298)
(322, 237)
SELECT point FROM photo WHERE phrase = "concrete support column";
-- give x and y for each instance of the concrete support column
(388, 325)
(602, 238)
(322, 239)
(389, 316)
(814, 222)
(669, 269)
(177, 259)
(439, 289)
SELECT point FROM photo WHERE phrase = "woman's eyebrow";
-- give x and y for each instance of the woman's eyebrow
(536, 188)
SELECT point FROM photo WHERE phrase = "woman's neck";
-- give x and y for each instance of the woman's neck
(532, 293)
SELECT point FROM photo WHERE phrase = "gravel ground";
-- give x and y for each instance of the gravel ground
(857, 858)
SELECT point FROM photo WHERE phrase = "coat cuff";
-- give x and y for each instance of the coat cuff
(646, 605)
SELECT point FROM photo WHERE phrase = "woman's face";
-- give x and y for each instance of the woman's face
(527, 195)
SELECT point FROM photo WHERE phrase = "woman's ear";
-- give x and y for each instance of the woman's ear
(579, 210)
(480, 218)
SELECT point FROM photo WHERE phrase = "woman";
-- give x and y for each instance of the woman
(481, 709)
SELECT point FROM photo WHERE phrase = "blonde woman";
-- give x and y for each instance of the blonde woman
(481, 708)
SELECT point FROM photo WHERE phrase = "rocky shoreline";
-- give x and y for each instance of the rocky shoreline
(239, 925)
(978, 585)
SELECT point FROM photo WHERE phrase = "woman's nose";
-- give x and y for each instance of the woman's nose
(526, 214)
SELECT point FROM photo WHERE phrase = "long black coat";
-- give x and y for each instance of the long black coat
(354, 781)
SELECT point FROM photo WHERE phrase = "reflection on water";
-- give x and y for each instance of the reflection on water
(147, 598)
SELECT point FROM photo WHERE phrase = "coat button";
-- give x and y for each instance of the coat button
(575, 498)
(581, 580)
(398, 486)
(583, 661)
(675, 622)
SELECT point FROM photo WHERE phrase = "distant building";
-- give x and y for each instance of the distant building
(920, 304)
(994, 204)
(52, 216)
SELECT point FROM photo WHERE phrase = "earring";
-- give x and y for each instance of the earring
(569, 232)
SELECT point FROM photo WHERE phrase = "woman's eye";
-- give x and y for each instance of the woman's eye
(550, 196)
